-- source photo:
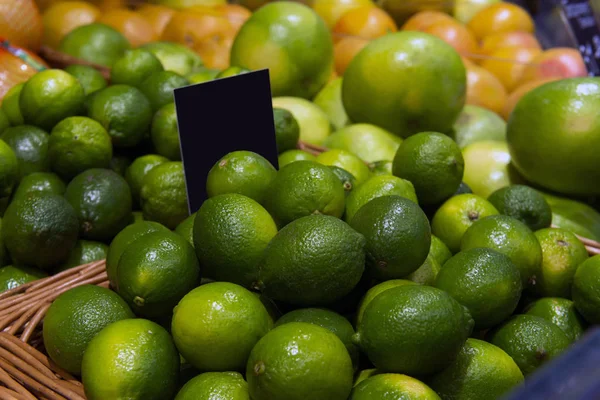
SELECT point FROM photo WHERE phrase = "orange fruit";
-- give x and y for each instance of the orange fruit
(157, 16)
(559, 62)
(235, 13)
(509, 63)
(484, 89)
(491, 43)
(21, 23)
(15, 70)
(131, 24)
(424, 19)
(501, 17)
(366, 22)
(332, 10)
(456, 35)
(519, 92)
(345, 50)
(61, 18)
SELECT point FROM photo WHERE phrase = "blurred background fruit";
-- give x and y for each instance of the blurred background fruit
(17, 65)
(62, 17)
(136, 29)
(21, 23)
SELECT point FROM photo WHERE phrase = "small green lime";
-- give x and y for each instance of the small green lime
(137, 171)
(369, 142)
(30, 145)
(382, 167)
(347, 161)
(186, 229)
(203, 75)
(439, 251)
(9, 169)
(11, 107)
(232, 71)
(84, 252)
(96, 43)
(215, 386)
(90, 78)
(346, 178)
(165, 134)
(476, 124)
(426, 273)
(133, 67)
(523, 203)
(163, 196)
(377, 290)
(175, 57)
(158, 87)
(287, 130)
(393, 386)
(12, 276)
(586, 289)
(40, 182)
(562, 313)
(329, 99)
(290, 156)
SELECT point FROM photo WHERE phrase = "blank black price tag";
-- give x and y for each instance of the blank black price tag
(217, 117)
(584, 28)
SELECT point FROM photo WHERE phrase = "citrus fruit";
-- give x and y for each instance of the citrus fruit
(90, 78)
(546, 159)
(530, 341)
(10, 105)
(290, 156)
(346, 160)
(456, 215)
(400, 386)
(42, 182)
(155, 272)
(484, 89)
(296, 67)
(137, 171)
(158, 87)
(518, 93)
(426, 273)
(464, 10)
(21, 24)
(508, 64)
(377, 290)
(584, 291)
(523, 203)
(397, 235)
(500, 40)
(481, 370)
(398, 338)
(403, 61)
(158, 16)
(39, 230)
(78, 144)
(557, 63)
(30, 145)
(304, 188)
(163, 195)
(242, 172)
(12, 276)
(125, 113)
(287, 130)
(346, 178)
(84, 252)
(231, 71)
(366, 22)
(501, 17)
(50, 96)
(9, 172)
(203, 75)
(164, 132)
(186, 229)
(131, 358)
(318, 368)
(329, 99)
(134, 67)
(314, 123)
(231, 232)
(332, 11)
(175, 57)
(96, 43)
(312, 261)
(485, 281)
(457, 35)
(382, 167)
(433, 163)
(423, 19)
(345, 50)
(562, 313)
(216, 325)
(211, 385)
(62, 17)
(136, 29)
(68, 328)
(476, 124)
(365, 374)
(439, 251)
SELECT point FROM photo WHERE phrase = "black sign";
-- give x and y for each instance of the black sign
(584, 28)
(217, 117)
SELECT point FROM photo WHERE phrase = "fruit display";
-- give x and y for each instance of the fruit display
(430, 230)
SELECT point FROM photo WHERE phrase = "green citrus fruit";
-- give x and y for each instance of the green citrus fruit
(476, 124)
(369, 142)
(215, 386)
(9, 169)
(4, 122)
(204, 75)
(12, 276)
(377, 290)
(165, 134)
(175, 57)
(329, 99)
(348, 161)
(158, 87)
(290, 156)
(133, 67)
(84, 252)
(287, 130)
(135, 173)
(42, 182)
(426, 273)
(10, 105)
(313, 122)
(523, 203)
(30, 145)
(96, 43)
(90, 78)
(562, 313)
(163, 194)
(439, 251)
(232, 71)
(585, 290)
(397, 386)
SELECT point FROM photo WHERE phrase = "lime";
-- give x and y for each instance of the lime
(314, 260)
(133, 67)
(131, 359)
(4, 122)
(397, 235)
(485, 281)
(102, 202)
(231, 232)
(348, 161)
(50, 96)
(186, 229)
(456, 215)
(165, 134)
(242, 172)
(530, 341)
(523, 203)
(40, 182)
(346, 178)
(480, 371)
(139, 168)
(439, 251)
(175, 57)
(287, 130)
(12, 276)
(298, 361)
(562, 313)
(433, 163)
(476, 124)
(9, 169)
(89, 77)
(313, 122)
(10, 105)
(426, 273)
(124, 112)
(30, 145)
(84, 252)
(381, 167)
(158, 87)
(329, 99)
(68, 328)
(383, 386)
(203, 75)
(377, 290)
(78, 144)
(585, 290)
(289, 156)
(413, 329)
(365, 374)
(215, 386)
(231, 71)
(216, 325)
(369, 142)
(304, 188)
(96, 43)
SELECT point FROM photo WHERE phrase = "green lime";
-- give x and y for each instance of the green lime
(396, 386)
(89, 77)
(347, 161)
(511, 237)
(287, 130)
(133, 67)
(102, 202)
(4, 122)
(40, 230)
(346, 178)
(426, 273)
(165, 134)
(365, 374)
(397, 234)
(329, 320)
(481, 371)
(369, 142)
(439, 251)
(12, 276)
(215, 386)
(124, 112)
(10, 105)
(313, 122)
(298, 361)
(329, 99)
(9, 169)
(413, 329)
(49, 97)
(155, 272)
(96, 43)
(78, 144)
(377, 290)
(304, 188)
(314, 260)
(231, 232)
(476, 124)
(158, 87)
(30, 145)
(216, 325)
(40, 182)
(186, 229)
(290, 156)
(433, 163)
(485, 281)
(562, 253)
(203, 75)
(175, 57)
(68, 328)
(163, 195)
(530, 341)
(232, 71)
(523, 203)
(585, 290)
(137, 171)
(242, 172)
(131, 359)
(456, 215)
(562, 313)
(84, 252)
